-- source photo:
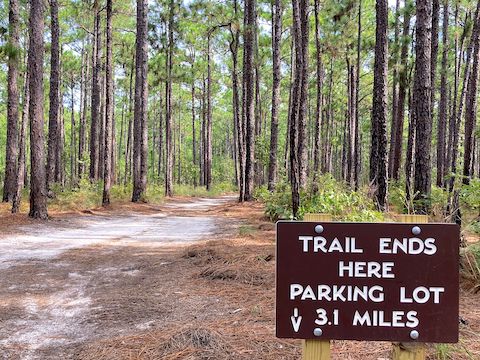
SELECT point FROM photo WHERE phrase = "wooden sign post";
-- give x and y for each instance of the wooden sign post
(367, 282)
(316, 349)
(410, 351)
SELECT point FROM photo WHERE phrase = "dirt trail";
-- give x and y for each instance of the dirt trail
(61, 286)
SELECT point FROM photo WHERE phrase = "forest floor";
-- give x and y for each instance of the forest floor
(191, 278)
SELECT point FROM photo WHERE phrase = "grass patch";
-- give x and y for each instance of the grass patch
(246, 230)
(201, 191)
(470, 267)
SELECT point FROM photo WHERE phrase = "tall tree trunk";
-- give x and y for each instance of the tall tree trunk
(128, 151)
(12, 102)
(290, 98)
(249, 96)
(434, 50)
(357, 144)
(73, 141)
(458, 51)
(240, 146)
(194, 133)
(471, 106)
(38, 190)
(327, 147)
(168, 107)
(96, 89)
(60, 146)
(352, 127)
(208, 163)
(303, 39)
(422, 91)
(202, 132)
(378, 157)
(319, 85)
(299, 103)
(20, 180)
(443, 106)
(409, 159)
(276, 42)
(140, 134)
(259, 177)
(463, 94)
(107, 174)
(101, 130)
(160, 138)
(402, 92)
(393, 134)
(53, 133)
(83, 118)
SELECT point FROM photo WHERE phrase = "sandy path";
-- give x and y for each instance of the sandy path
(63, 286)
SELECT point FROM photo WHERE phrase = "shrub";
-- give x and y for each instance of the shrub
(470, 195)
(332, 197)
(470, 266)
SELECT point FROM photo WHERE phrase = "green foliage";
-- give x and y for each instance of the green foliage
(474, 227)
(443, 351)
(332, 198)
(201, 191)
(397, 197)
(87, 196)
(278, 204)
(438, 200)
(470, 266)
(470, 195)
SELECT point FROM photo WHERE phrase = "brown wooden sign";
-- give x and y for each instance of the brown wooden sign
(395, 282)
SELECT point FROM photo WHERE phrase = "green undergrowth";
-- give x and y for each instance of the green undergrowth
(201, 191)
(88, 195)
(332, 198)
(470, 266)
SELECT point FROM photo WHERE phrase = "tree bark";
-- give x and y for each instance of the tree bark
(208, 144)
(299, 102)
(238, 122)
(128, 151)
(107, 174)
(434, 55)
(395, 91)
(409, 159)
(357, 143)
(194, 132)
(471, 106)
(96, 88)
(443, 106)
(83, 118)
(20, 180)
(60, 146)
(319, 100)
(249, 96)
(73, 140)
(378, 157)
(140, 134)
(276, 42)
(303, 39)
(53, 133)
(466, 81)
(12, 102)
(402, 92)
(168, 107)
(422, 91)
(38, 190)
(160, 138)
(458, 51)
